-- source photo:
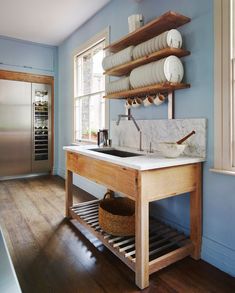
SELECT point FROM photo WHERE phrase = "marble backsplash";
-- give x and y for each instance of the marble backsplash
(155, 131)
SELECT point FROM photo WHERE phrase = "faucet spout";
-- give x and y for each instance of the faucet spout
(136, 125)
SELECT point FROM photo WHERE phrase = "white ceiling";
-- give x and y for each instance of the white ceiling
(45, 21)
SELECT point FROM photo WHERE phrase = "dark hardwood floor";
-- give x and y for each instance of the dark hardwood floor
(50, 255)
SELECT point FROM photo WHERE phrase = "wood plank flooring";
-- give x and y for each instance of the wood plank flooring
(50, 255)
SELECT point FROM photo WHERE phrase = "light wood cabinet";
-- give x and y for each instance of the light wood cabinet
(113, 176)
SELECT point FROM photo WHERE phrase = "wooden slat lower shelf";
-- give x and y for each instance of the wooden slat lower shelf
(171, 257)
(166, 245)
(151, 89)
(126, 68)
(102, 236)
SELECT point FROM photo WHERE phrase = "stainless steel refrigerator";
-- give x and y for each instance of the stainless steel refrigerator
(25, 128)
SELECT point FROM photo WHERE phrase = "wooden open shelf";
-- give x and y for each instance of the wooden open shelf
(152, 89)
(167, 21)
(126, 68)
(166, 245)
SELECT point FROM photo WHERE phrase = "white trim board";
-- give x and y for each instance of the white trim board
(8, 279)
(223, 116)
(218, 255)
(104, 34)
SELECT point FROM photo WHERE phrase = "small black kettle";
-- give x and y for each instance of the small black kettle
(102, 137)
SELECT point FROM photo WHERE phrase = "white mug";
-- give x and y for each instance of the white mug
(136, 102)
(148, 101)
(128, 103)
(159, 99)
(135, 21)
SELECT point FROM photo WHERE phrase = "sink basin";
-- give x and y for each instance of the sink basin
(115, 152)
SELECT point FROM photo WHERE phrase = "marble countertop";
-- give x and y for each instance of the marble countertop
(145, 161)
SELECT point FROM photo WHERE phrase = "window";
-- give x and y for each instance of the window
(89, 86)
(224, 87)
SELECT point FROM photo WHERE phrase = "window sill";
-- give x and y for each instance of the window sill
(225, 172)
(84, 142)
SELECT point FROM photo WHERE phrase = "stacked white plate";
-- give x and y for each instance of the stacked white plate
(169, 69)
(119, 58)
(119, 85)
(171, 38)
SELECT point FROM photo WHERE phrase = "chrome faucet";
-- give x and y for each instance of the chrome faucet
(136, 125)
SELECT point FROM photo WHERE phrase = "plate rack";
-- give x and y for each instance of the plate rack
(167, 21)
(164, 241)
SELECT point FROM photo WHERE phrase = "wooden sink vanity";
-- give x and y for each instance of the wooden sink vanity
(155, 245)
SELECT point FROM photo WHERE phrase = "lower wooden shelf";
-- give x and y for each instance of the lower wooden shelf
(166, 245)
(151, 89)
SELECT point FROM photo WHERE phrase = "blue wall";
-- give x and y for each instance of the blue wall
(218, 245)
(24, 56)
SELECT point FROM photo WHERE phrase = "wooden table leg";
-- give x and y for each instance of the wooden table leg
(68, 192)
(142, 242)
(196, 215)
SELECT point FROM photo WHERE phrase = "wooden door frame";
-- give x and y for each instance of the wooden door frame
(35, 78)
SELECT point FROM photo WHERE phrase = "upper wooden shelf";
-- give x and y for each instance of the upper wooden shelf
(167, 21)
(151, 89)
(126, 68)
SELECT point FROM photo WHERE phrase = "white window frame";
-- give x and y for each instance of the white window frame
(103, 35)
(224, 147)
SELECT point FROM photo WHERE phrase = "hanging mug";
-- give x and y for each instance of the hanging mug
(148, 101)
(136, 102)
(159, 99)
(128, 103)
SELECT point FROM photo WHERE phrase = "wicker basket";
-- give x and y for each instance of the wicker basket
(117, 215)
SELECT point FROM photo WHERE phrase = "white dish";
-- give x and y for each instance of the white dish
(171, 38)
(167, 69)
(146, 48)
(173, 69)
(134, 78)
(161, 72)
(164, 39)
(157, 76)
(121, 84)
(135, 52)
(119, 58)
(174, 39)
(156, 47)
(153, 74)
(153, 48)
(150, 51)
(161, 41)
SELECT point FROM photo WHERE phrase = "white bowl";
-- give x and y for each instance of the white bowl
(171, 149)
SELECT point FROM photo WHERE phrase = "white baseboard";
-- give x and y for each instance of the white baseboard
(218, 255)
(172, 224)
(54, 171)
(212, 252)
(60, 172)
